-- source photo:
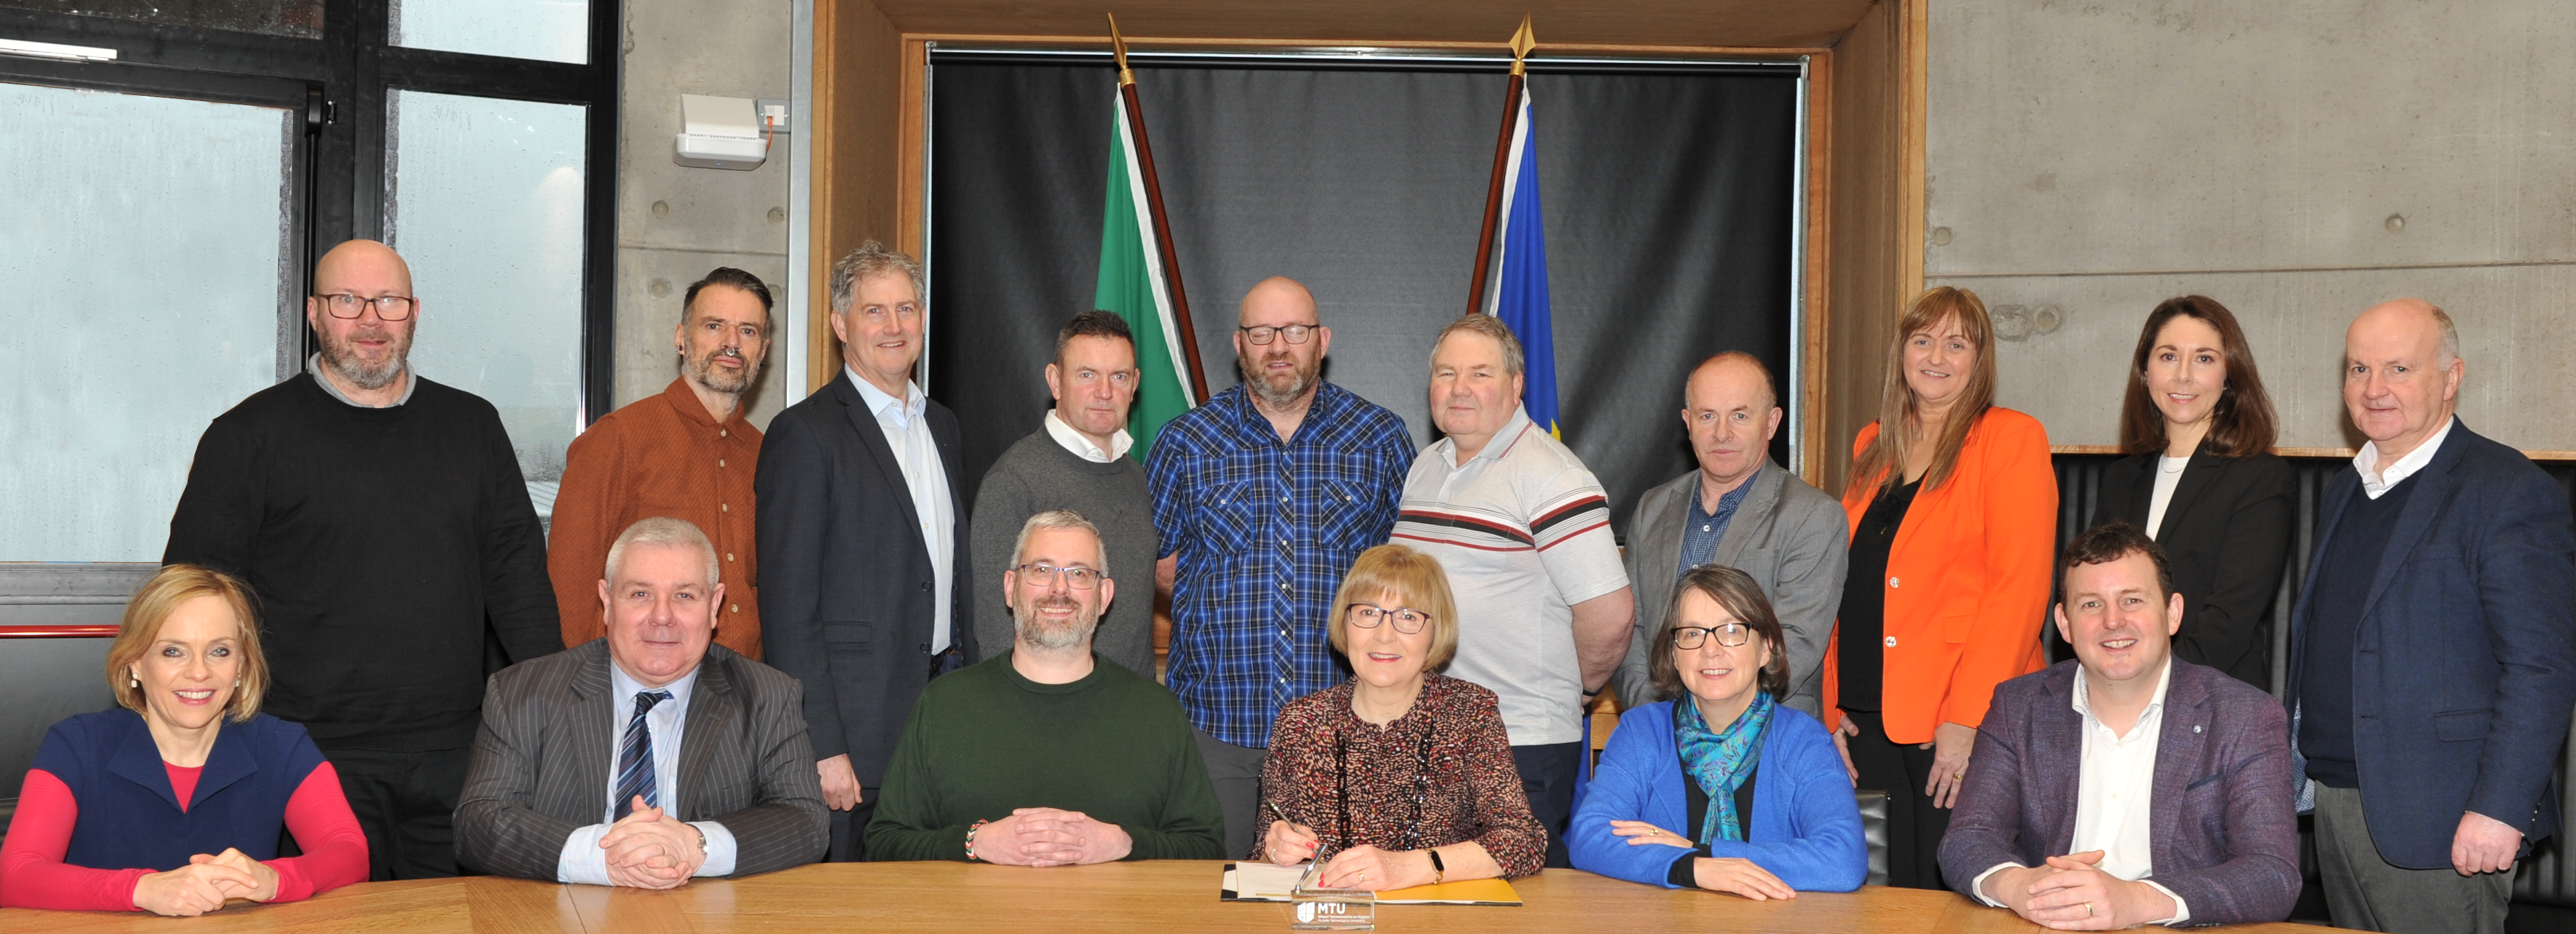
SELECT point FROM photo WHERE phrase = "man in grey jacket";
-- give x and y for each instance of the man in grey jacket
(1741, 510)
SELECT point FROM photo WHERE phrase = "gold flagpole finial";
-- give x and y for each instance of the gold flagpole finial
(1522, 43)
(1118, 47)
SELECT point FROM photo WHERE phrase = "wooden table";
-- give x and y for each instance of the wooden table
(1165, 897)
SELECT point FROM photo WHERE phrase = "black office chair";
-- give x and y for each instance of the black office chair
(1873, 828)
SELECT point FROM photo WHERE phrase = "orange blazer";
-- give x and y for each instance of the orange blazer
(1967, 578)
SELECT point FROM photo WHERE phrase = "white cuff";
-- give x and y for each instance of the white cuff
(2182, 909)
(582, 861)
(1978, 885)
(720, 850)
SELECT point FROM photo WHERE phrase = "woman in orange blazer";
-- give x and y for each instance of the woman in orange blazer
(1953, 518)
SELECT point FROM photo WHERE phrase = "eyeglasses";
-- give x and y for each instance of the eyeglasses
(388, 307)
(1043, 575)
(1729, 635)
(1407, 619)
(1296, 333)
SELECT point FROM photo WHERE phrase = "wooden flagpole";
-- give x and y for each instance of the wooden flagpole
(1521, 44)
(1188, 335)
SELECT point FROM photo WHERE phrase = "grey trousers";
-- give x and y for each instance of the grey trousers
(1236, 773)
(2363, 891)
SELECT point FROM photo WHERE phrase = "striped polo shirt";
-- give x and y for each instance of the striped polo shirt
(1523, 531)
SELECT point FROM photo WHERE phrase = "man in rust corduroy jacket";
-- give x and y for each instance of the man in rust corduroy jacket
(686, 453)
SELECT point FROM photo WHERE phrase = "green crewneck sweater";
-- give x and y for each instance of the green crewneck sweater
(984, 740)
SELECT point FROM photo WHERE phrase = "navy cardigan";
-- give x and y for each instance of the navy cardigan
(130, 817)
(1806, 823)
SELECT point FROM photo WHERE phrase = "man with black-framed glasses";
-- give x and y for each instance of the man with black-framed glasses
(382, 520)
(1042, 755)
(1263, 495)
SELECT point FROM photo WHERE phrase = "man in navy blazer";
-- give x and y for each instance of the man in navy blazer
(2433, 650)
(862, 530)
(2127, 787)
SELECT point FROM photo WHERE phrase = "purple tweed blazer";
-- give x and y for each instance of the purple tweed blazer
(2224, 835)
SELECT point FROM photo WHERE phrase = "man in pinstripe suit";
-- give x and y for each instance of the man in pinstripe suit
(650, 756)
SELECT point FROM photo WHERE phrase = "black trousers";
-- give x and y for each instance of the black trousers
(1547, 776)
(850, 830)
(406, 803)
(1914, 826)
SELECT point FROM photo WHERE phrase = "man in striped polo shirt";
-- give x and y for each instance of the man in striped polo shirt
(1523, 530)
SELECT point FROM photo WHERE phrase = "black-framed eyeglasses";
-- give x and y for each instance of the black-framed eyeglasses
(1407, 619)
(346, 305)
(1729, 635)
(1296, 333)
(1044, 575)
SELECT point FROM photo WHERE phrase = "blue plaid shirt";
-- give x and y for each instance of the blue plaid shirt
(1264, 530)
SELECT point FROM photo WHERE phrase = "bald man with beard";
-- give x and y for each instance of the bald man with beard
(384, 524)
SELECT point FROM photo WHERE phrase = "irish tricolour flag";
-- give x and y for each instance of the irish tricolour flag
(1132, 284)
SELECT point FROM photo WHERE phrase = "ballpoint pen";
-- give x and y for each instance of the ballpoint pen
(1319, 858)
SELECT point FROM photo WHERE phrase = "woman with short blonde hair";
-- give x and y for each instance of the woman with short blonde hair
(123, 807)
(1400, 776)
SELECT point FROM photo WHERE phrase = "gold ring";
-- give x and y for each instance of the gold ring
(2088, 909)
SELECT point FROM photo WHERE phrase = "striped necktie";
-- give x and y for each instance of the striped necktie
(635, 758)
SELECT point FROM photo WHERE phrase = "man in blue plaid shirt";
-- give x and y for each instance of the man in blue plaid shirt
(1263, 496)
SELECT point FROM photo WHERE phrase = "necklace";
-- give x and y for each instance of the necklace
(2176, 464)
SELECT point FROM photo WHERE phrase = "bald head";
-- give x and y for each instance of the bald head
(361, 266)
(1735, 374)
(1281, 297)
(2401, 375)
(1732, 411)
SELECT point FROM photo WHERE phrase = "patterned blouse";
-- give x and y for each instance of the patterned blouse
(1438, 775)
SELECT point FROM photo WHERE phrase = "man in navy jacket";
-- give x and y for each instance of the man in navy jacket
(2433, 650)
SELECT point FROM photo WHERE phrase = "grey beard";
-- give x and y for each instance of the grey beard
(1253, 379)
(344, 361)
(1038, 634)
(703, 372)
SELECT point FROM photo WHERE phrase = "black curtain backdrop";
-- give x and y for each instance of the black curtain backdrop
(1667, 196)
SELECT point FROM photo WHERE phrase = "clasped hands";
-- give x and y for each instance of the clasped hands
(1049, 837)
(2072, 893)
(1714, 873)
(647, 849)
(204, 884)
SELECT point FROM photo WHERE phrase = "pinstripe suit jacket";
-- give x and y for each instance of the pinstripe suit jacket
(543, 755)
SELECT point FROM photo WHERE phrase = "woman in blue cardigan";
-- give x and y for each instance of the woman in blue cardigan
(1756, 797)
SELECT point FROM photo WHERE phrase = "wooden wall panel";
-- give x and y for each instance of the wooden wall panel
(1876, 215)
(858, 104)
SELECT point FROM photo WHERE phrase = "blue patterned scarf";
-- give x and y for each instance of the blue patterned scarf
(1720, 762)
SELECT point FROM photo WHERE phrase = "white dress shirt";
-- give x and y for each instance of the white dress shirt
(582, 861)
(2168, 476)
(1082, 447)
(2375, 482)
(2112, 794)
(908, 434)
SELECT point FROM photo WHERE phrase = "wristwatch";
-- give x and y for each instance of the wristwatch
(1438, 871)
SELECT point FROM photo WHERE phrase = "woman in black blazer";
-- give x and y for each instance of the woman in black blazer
(2201, 479)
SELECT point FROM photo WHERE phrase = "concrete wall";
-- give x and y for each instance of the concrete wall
(675, 223)
(2093, 158)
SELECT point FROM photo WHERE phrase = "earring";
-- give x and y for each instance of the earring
(133, 682)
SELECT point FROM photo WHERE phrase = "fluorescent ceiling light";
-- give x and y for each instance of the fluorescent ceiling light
(77, 53)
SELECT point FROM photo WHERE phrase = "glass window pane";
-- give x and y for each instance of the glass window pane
(301, 19)
(143, 282)
(551, 30)
(486, 205)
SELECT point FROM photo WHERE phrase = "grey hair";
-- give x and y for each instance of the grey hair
(661, 530)
(2450, 334)
(870, 260)
(1513, 361)
(1059, 519)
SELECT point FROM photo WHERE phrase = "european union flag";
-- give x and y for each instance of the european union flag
(1520, 297)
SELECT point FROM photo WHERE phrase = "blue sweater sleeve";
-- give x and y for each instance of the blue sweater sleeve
(1621, 789)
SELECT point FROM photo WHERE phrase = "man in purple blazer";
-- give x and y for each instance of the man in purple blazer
(2127, 787)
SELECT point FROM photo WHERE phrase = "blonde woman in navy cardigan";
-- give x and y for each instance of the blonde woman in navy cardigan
(1721, 788)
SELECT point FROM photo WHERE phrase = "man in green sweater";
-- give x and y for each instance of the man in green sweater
(1043, 756)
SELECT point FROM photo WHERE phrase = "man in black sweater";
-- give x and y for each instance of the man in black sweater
(382, 520)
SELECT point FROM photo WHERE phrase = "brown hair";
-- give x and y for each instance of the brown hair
(1415, 576)
(152, 605)
(1742, 598)
(1882, 464)
(1093, 323)
(2242, 423)
(2112, 541)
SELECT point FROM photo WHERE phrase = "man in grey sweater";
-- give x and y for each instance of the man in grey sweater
(1077, 460)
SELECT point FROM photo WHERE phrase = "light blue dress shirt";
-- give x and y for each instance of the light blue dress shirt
(582, 860)
(908, 434)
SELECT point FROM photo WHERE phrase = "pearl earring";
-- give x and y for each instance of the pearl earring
(132, 681)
